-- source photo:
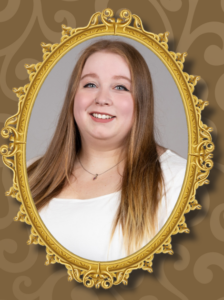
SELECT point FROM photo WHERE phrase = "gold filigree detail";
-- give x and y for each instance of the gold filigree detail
(106, 274)
(179, 58)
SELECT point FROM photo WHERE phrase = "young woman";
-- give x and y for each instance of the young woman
(104, 188)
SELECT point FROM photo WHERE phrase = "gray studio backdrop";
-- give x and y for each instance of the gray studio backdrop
(170, 119)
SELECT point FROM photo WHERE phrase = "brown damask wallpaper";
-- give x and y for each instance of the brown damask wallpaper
(196, 270)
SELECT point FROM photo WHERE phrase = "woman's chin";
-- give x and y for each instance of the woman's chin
(103, 137)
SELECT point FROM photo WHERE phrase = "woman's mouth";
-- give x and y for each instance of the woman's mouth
(102, 118)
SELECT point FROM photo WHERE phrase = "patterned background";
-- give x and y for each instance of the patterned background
(196, 270)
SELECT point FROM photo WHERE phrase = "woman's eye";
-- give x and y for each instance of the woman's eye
(123, 87)
(88, 84)
(120, 87)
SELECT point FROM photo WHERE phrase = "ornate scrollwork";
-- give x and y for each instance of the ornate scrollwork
(200, 154)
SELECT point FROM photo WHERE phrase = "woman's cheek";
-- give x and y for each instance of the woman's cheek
(127, 109)
(79, 102)
(77, 107)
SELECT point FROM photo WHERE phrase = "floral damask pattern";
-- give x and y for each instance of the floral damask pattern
(196, 271)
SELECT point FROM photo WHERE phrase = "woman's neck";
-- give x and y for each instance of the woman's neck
(98, 161)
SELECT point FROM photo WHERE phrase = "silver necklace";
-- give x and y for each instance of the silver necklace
(96, 175)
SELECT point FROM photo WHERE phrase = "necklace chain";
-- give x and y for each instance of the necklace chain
(96, 175)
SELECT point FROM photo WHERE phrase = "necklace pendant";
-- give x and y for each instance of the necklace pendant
(95, 177)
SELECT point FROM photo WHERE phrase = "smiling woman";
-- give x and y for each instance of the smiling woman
(103, 172)
(106, 79)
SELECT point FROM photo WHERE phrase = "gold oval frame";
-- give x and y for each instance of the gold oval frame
(199, 163)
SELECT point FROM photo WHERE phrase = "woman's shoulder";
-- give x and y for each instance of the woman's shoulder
(171, 158)
(173, 165)
(32, 160)
(174, 169)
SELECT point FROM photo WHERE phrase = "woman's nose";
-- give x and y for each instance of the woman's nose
(103, 97)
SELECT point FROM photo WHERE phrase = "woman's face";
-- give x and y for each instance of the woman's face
(105, 89)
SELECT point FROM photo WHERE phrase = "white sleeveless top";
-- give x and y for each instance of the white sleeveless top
(83, 226)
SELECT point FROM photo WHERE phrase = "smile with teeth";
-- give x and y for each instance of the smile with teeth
(102, 116)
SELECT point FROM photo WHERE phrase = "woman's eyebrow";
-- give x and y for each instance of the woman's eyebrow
(96, 76)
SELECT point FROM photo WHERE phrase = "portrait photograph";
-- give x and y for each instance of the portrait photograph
(108, 86)
(111, 149)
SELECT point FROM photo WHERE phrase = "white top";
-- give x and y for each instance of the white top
(83, 226)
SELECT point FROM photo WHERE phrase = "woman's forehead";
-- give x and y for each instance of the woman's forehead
(108, 62)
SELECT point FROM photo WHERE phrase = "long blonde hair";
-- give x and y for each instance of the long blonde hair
(142, 182)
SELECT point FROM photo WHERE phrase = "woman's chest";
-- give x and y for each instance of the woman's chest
(85, 187)
(84, 227)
